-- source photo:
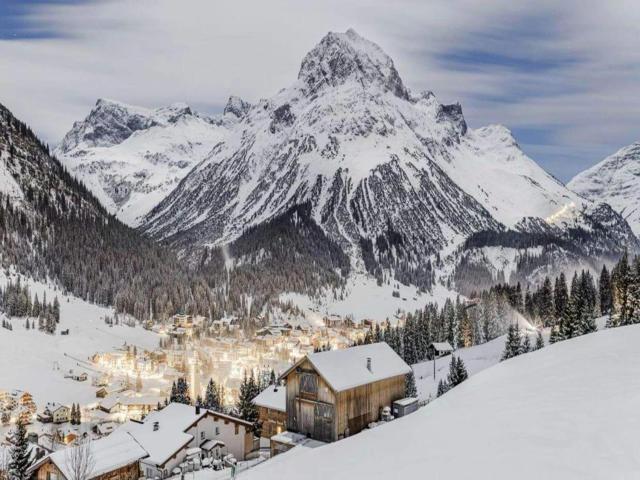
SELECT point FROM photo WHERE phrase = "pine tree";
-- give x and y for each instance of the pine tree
(546, 308)
(410, 389)
(20, 456)
(212, 397)
(512, 346)
(605, 292)
(246, 408)
(443, 387)
(526, 344)
(180, 392)
(561, 297)
(457, 372)
(539, 341)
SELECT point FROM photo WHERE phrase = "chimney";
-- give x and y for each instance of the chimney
(198, 409)
(369, 364)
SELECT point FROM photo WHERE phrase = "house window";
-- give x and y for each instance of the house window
(217, 431)
(201, 435)
(309, 383)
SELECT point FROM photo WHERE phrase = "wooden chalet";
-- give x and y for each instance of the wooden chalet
(334, 394)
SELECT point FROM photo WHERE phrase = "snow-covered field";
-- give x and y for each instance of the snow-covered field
(36, 362)
(364, 299)
(568, 411)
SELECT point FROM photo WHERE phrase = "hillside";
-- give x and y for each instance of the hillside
(614, 180)
(558, 413)
(53, 228)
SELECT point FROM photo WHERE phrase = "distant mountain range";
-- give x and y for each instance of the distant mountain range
(395, 179)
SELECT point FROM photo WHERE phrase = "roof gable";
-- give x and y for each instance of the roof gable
(347, 368)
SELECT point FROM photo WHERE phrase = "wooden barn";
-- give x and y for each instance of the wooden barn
(334, 394)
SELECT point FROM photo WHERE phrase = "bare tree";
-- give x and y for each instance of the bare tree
(80, 461)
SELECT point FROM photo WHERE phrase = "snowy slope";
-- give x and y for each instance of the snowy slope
(364, 299)
(616, 181)
(567, 411)
(131, 157)
(28, 357)
(376, 161)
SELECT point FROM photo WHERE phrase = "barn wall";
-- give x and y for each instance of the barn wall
(301, 407)
(357, 407)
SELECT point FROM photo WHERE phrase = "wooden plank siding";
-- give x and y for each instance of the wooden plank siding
(357, 407)
(329, 416)
(301, 405)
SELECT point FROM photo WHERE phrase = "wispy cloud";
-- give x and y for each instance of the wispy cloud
(563, 76)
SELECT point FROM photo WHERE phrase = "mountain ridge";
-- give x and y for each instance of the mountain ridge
(614, 180)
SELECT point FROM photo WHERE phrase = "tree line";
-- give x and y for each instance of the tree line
(16, 301)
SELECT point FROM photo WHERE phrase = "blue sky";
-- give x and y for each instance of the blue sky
(563, 76)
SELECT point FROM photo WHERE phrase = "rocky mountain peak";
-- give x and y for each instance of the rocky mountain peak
(108, 123)
(347, 57)
(236, 106)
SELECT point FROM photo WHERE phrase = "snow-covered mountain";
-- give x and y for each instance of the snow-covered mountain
(393, 177)
(132, 157)
(616, 181)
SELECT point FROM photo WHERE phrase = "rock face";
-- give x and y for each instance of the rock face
(616, 181)
(132, 157)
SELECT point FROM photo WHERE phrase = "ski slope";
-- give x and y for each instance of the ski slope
(568, 411)
(36, 362)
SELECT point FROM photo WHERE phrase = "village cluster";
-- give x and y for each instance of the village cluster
(323, 392)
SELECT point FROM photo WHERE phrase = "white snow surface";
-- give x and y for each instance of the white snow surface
(616, 181)
(28, 357)
(568, 411)
(364, 299)
(489, 165)
(347, 368)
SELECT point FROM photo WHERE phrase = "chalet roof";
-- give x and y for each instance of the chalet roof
(442, 346)
(272, 397)
(347, 368)
(110, 453)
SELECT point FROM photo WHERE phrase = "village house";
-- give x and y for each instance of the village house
(159, 446)
(114, 457)
(55, 412)
(178, 431)
(331, 395)
(272, 411)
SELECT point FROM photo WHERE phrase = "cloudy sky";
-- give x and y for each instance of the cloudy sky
(564, 76)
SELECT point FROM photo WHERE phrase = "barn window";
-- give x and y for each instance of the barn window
(309, 383)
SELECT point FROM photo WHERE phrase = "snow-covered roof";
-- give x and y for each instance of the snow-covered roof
(175, 417)
(406, 401)
(110, 453)
(347, 368)
(273, 397)
(442, 346)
